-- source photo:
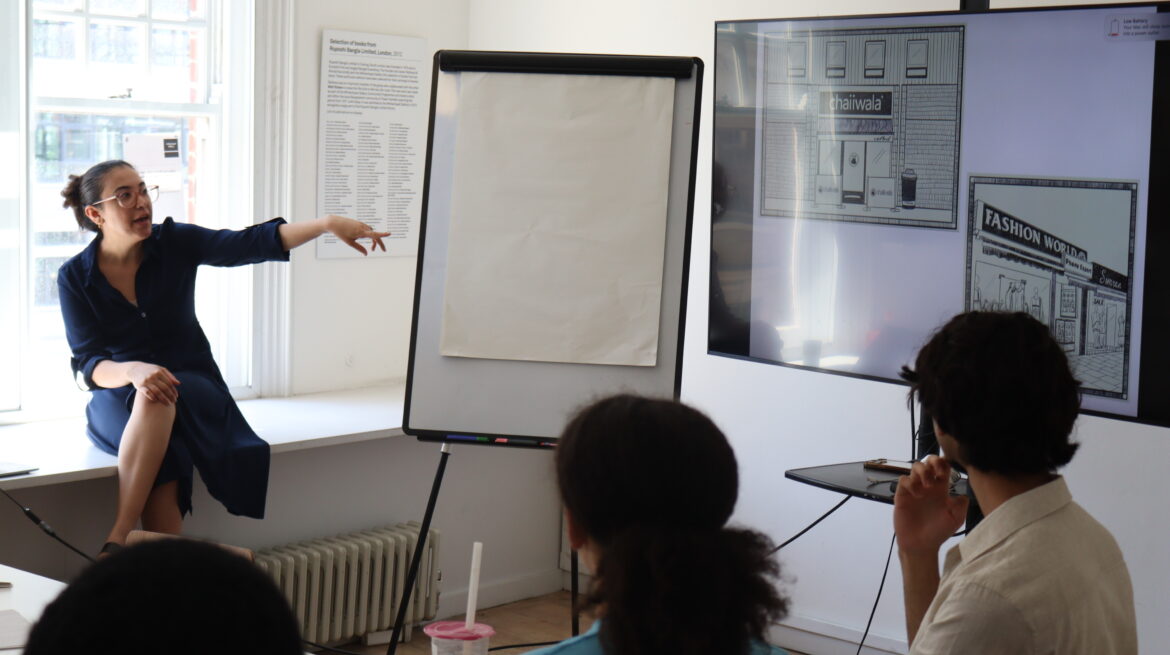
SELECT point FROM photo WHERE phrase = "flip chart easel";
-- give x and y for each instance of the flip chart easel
(521, 402)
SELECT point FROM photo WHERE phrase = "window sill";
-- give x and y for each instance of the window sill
(63, 453)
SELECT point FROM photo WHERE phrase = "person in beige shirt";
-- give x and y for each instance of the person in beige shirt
(1038, 574)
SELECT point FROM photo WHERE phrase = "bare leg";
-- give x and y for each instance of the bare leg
(161, 513)
(144, 442)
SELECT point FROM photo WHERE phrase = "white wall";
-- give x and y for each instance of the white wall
(350, 317)
(780, 418)
(504, 498)
(351, 326)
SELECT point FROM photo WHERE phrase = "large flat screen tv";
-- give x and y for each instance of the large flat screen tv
(875, 175)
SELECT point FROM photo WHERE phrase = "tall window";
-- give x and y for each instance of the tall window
(151, 82)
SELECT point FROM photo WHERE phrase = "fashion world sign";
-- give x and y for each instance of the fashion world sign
(1001, 223)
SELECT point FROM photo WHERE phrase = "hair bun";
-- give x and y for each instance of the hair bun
(83, 190)
(72, 192)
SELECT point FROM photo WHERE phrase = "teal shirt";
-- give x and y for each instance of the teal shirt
(590, 644)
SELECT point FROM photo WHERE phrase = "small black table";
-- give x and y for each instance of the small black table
(854, 479)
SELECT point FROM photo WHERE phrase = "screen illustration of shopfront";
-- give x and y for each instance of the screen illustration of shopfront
(1062, 251)
(862, 125)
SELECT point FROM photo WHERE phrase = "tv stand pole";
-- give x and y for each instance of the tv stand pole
(574, 571)
(974, 5)
(412, 573)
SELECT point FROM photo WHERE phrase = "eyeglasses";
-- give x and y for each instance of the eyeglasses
(128, 198)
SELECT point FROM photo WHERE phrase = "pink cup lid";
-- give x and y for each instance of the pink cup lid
(458, 630)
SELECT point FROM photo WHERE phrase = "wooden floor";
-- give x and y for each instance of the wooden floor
(535, 620)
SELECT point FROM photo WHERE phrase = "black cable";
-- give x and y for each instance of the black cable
(812, 525)
(879, 596)
(45, 527)
(913, 429)
(543, 643)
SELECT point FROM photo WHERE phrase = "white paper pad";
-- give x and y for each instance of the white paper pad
(558, 218)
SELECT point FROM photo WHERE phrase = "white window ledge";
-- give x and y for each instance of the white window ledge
(62, 453)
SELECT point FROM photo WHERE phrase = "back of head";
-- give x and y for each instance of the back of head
(1001, 386)
(173, 595)
(652, 483)
(85, 189)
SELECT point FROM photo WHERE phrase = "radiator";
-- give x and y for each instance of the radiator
(349, 585)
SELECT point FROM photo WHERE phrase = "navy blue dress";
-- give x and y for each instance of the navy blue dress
(210, 433)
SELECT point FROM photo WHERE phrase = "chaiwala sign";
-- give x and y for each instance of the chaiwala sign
(857, 103)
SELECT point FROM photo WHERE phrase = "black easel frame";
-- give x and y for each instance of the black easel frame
(416, 559)
(573, 64)
(428, 373)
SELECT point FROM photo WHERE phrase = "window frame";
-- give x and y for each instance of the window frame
(253, 107)
(23, 54)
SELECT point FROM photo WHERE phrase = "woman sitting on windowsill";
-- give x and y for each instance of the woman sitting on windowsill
(159, 401)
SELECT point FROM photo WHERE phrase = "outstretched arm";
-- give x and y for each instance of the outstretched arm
(346, 229)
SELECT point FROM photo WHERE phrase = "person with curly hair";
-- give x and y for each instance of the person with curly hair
(648, 487)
